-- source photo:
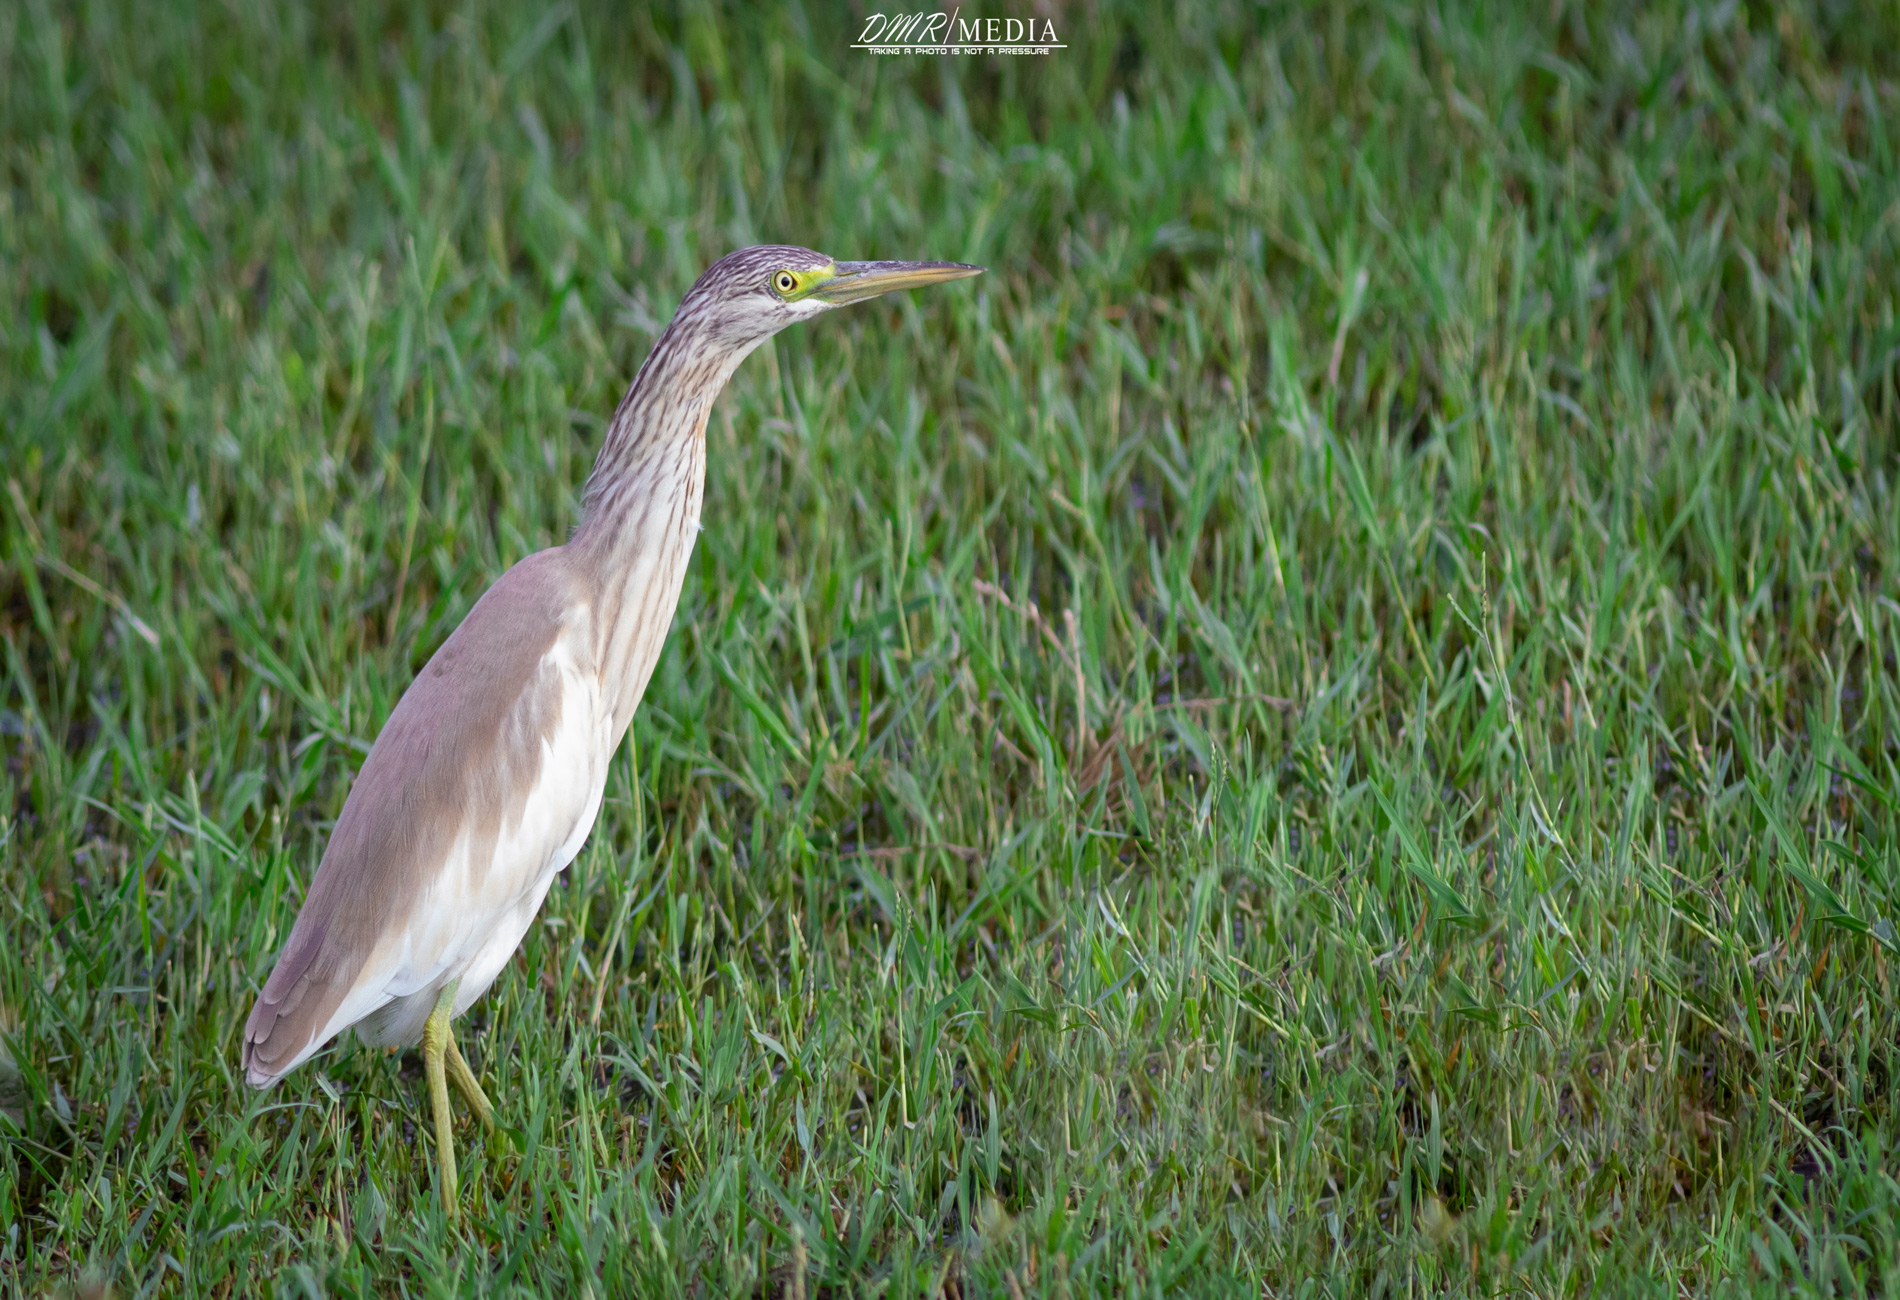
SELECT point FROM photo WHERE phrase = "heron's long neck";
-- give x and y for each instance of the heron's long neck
(640, 509)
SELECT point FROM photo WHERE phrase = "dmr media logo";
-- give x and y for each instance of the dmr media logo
(953, 33)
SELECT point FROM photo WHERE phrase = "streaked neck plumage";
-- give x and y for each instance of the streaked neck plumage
(640, 509)
(666, 407)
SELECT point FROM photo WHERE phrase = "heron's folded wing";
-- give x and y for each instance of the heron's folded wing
(452, 765)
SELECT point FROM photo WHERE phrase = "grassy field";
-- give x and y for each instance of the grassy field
(1330, 727)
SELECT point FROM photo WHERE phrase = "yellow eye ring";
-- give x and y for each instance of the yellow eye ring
(784, 282)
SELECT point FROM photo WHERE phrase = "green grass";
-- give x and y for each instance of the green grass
(1451, 455)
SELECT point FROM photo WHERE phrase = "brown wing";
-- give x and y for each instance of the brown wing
(449, 760)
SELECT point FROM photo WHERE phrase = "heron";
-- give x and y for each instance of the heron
(487, 778)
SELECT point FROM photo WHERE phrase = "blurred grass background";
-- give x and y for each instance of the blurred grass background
(1329, 727)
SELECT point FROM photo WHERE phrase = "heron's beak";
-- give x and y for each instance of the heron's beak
(856, 281)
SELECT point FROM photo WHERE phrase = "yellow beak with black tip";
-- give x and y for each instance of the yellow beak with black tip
(856, 281)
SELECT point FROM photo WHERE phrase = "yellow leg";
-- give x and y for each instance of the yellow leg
(464, 1080)
(436, 1038)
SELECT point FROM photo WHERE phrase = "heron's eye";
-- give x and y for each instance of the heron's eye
(784, 282)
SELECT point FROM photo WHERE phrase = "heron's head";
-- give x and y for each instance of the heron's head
(746, 297)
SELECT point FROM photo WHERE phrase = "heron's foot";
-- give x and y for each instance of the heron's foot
(464, 1080)
(437, 1041)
